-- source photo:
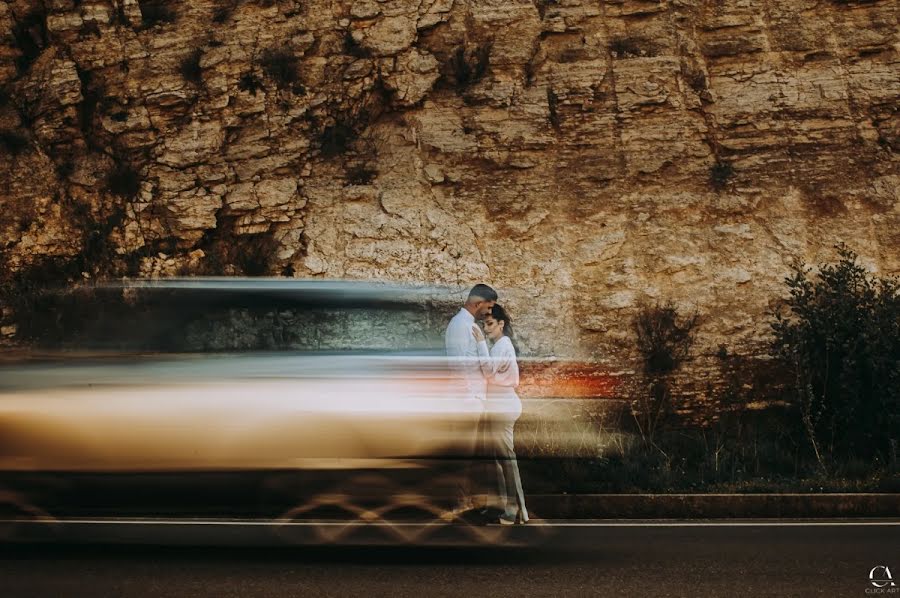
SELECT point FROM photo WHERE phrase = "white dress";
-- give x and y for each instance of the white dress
(501, 370)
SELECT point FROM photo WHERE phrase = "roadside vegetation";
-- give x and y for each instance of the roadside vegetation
(834, 386)
(830, 394)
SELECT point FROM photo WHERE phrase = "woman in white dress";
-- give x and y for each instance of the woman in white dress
(501, 370)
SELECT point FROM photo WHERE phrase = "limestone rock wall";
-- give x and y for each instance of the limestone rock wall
(583, 156)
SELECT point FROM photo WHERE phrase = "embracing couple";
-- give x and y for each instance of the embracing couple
(490, 377)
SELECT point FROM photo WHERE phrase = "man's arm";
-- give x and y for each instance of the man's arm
(457, 341)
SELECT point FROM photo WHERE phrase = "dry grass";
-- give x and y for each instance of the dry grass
(550, 428)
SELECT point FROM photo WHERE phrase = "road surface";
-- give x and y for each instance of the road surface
(772, 558)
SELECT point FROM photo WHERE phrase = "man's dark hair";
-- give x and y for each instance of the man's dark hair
(483, 292)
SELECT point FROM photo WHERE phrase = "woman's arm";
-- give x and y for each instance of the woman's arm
(499, 369)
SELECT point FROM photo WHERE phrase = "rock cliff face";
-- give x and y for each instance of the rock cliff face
(583, 156)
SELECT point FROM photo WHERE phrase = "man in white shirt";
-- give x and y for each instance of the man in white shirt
(462, 353)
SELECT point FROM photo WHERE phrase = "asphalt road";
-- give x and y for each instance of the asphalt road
(691, 559)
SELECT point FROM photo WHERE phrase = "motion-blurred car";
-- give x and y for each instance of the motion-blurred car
(312, 406)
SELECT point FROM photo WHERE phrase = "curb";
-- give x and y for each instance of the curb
(712, 506)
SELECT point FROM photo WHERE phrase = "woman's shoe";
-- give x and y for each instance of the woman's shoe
(519, 517)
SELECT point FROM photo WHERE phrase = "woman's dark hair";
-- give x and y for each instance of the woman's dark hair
(498, 313)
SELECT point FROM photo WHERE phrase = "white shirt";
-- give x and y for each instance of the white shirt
(499, 365)
(462, 353)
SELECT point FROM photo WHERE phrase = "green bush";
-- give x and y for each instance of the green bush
(543, 5)
(250, 83)
(30, 37)
(361, 175)
(553, 109)
(353, 47)
(746, 452)
(468, 66)
(720, 175)
(124, 180)
(13, 142)
(189, 67)
(839, 333)
(336, 139)
(281, 66)
(223, 10)
(156, 12)
(664, 338)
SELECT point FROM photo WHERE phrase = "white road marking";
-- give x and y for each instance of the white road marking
(228, 522)
(722, 523)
